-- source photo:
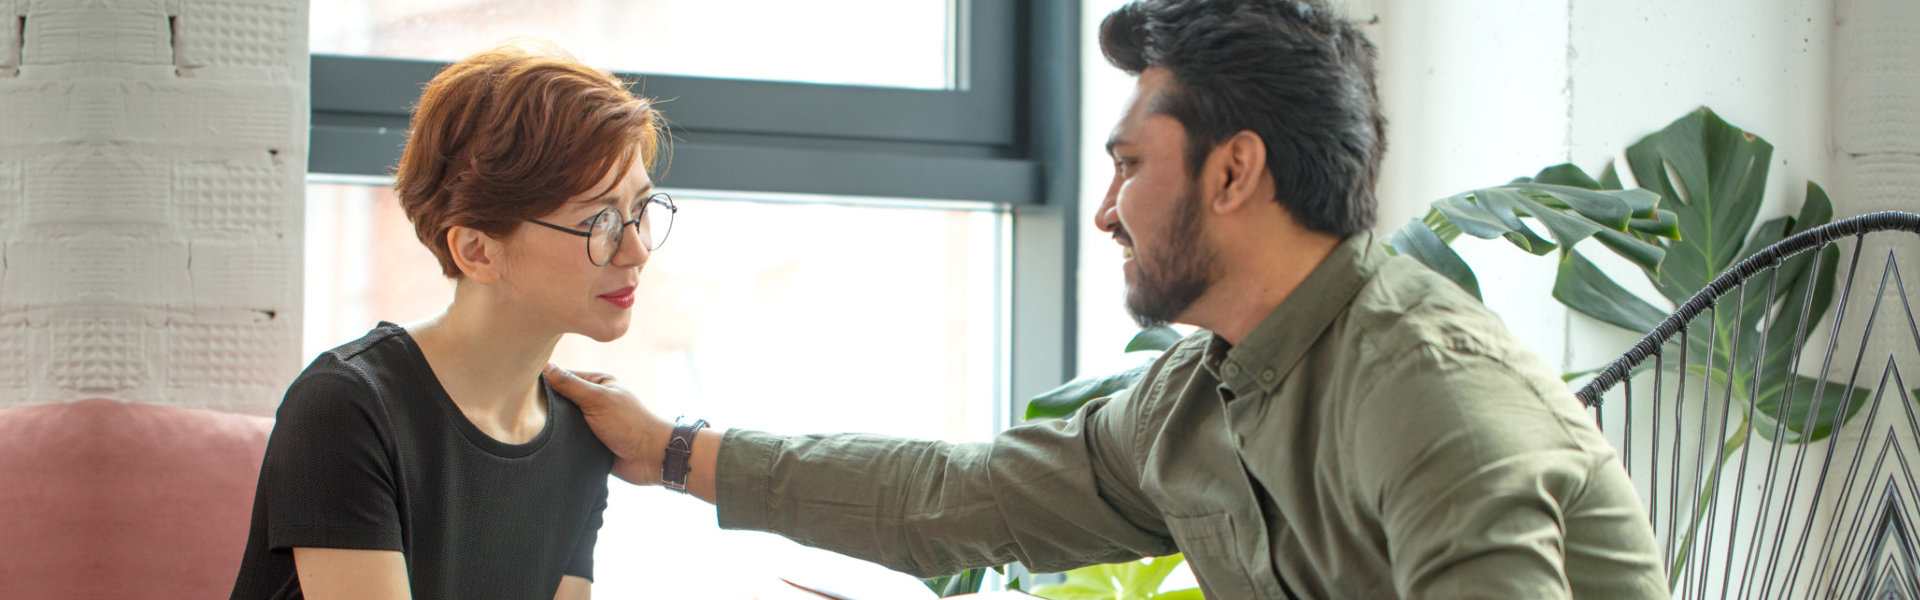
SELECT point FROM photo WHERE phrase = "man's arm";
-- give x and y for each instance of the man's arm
(1482, 482)
(337, 574)
(1054, 495)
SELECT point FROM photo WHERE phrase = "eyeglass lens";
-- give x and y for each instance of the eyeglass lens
(606, 235)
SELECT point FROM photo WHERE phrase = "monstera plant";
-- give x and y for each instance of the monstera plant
(1711, 177)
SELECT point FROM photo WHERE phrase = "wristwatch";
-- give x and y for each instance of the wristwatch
(674, 469)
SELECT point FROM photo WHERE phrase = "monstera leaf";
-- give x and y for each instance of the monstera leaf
(1564, 200)
(1070, 396)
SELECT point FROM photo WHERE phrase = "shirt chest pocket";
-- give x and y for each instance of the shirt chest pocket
(1214, 554)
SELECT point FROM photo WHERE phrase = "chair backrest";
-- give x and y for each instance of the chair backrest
(1777, 454)
(107, 499)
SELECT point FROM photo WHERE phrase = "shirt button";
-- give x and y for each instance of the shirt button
(1233, 370)
(1267, 375)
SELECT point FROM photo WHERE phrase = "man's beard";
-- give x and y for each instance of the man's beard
(1175, 275)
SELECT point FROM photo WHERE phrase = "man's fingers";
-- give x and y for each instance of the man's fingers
(565, 381)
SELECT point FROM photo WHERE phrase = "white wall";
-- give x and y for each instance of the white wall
(152, 159)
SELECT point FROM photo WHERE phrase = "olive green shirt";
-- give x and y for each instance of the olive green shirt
(1378, 435)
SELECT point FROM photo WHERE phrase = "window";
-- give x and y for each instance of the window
(756, 314)
(889, 256)
(821, 41)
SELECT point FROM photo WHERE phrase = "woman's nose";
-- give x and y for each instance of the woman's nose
(633, 250)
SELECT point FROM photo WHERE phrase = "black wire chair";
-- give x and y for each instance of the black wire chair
(1808, 495)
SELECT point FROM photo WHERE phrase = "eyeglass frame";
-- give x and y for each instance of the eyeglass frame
(620, 235)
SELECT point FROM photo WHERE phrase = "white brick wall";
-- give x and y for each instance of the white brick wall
(152, 158)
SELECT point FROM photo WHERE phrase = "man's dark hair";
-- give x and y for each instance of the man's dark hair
(1290, 71)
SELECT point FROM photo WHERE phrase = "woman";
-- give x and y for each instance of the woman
(431, 460)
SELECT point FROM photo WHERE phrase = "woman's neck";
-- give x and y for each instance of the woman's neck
(489, 362)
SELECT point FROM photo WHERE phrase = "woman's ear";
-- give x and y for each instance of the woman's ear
(477, 254)
(1243, 159)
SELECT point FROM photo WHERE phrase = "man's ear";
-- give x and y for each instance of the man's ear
(477, 254)
(1241, 164)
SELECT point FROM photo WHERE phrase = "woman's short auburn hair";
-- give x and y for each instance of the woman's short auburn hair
(511, 134)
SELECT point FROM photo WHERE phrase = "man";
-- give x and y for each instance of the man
(1347, 425)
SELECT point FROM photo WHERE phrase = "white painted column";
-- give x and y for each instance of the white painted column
(152, 159)
(1875, 165)
(1876, 106)
(1475, 95)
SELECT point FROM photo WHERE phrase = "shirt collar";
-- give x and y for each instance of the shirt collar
(1282, 338)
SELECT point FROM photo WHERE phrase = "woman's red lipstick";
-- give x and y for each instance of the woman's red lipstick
(622, 297)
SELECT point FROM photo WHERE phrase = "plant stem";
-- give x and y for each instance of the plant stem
(1711, 492)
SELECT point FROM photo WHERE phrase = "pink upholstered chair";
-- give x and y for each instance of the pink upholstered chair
(104, 499)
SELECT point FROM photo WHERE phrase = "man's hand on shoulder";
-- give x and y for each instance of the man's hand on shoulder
(636, 436)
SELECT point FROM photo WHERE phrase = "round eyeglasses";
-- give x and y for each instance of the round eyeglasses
(604, 234)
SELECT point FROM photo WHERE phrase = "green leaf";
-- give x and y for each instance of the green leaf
(1567, 229)
(1793, 307)
(1419, 242)
(1062, 401)
(1647, 255)
(965, 582)
(1566, 174)
(1610, 180)
(1441, 225)
(1802, 400)
(1603, 208)
(1816, 211)
(1712, 176)
(1508, 206)
(1664, 224)
(1154, 338)
(1146, 576)
(1476, 219)
(1643, 204)
(1584, 288)
(1569, 377)
(1136, 580)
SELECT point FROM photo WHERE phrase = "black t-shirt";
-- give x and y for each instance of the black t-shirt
(370, 453)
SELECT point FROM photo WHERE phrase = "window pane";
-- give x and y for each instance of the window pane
(889, 43)
(785, 317)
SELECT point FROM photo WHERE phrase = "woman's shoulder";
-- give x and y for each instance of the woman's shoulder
(380, 343)
(571, 426)
(351, 375)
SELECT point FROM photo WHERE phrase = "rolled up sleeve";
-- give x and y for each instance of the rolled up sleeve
(1052, 495)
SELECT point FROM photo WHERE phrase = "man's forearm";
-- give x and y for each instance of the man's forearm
(706, 456)
(918, 506)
